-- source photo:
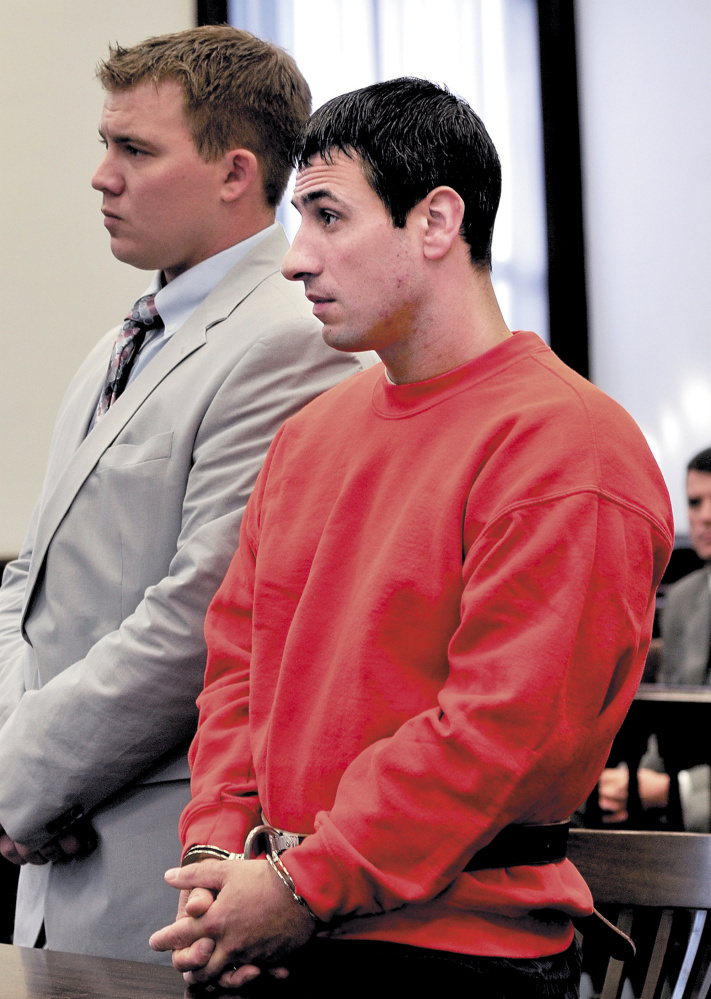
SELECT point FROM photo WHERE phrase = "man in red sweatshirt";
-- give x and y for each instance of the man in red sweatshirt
(437, 615)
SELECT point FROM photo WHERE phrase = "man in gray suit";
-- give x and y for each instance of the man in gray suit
(101, 645)
(686, 633)
(686, 619)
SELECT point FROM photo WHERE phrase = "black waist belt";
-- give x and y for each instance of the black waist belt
(519, 845)
(515, 846)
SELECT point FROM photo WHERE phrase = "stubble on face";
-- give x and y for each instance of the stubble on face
(358, 269)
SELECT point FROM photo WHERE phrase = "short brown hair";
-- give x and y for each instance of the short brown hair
(240, 91)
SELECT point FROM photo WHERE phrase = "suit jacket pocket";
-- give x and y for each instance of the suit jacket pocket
(127, 455)
(136, 498)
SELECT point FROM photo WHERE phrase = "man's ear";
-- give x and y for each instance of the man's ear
(443, 212)
(241, 169)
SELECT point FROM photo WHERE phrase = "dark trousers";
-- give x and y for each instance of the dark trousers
(8, 891)
(371, 969)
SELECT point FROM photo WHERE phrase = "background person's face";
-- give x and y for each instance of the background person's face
(698, 492)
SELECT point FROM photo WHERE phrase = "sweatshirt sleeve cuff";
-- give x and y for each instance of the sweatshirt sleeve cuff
(338, 881)
(224, 824)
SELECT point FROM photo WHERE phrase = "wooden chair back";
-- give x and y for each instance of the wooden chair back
(656, 887)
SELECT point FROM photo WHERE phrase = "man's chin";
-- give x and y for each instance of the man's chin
(130, 256)
(341, 339)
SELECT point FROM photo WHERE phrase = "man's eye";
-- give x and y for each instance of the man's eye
(694, 501)
(328, 218)
(132, 151)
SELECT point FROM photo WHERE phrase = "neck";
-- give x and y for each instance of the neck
(459, 324)
(230, 238)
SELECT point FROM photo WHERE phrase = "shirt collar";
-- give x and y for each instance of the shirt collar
(179, 299)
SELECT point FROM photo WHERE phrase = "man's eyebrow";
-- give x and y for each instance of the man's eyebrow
(127, 140)
(311, 196)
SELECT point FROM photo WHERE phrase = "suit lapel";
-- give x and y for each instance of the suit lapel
(250, 272)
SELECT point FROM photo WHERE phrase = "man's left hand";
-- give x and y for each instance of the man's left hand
(75, 842)
(17, 853)
(253, 921)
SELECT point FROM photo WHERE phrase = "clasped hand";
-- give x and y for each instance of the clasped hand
(613, 791)
(235, 918)
(79, 840)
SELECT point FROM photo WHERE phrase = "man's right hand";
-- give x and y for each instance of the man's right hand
(613, 788)
(78, 841)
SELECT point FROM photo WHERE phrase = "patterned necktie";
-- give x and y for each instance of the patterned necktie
(143, 317)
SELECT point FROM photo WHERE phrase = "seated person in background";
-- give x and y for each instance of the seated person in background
(686, 634)
(399, 655)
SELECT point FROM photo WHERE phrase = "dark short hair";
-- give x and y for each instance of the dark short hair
(240, 91)
(413, 136)
(701, 462)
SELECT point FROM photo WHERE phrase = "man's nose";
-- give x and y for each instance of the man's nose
(106, 177)
(298, 263)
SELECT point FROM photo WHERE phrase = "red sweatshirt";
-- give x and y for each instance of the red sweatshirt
(433, 627)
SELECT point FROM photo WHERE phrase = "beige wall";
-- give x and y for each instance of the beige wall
(60, 288)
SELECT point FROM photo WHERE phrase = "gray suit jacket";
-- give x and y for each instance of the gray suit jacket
(686, 630)
(686, 633)
(101, 616)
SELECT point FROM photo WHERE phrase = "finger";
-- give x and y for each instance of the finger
(30, 856)
(195, 957)
(179, 935)
(220, 962)
(54, 853)
(7, 849)
(71, 845)
(235, 978)
(610, 787)
(198, 902)
(184, 896)
(610, 804)
(207, 874)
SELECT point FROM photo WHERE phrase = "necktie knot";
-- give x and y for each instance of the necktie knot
(142, 318)
(143, 315)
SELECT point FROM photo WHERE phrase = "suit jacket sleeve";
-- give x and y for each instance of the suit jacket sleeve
(129, 704)
(12, 645)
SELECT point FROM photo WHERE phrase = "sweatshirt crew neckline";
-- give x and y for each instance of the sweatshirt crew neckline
(393, 401)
